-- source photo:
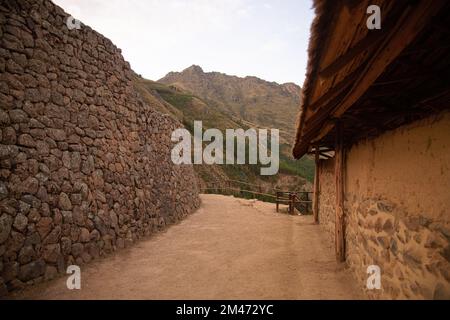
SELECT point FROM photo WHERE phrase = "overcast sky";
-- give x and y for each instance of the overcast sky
(263, 38)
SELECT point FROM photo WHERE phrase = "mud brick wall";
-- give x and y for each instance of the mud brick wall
(84, 164)
(397, 209)
(327, 197)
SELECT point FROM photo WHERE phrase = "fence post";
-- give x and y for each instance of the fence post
(290, 202)
(276, 199)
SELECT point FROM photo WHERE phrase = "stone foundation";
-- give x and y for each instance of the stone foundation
(397, 209)
(84, 164)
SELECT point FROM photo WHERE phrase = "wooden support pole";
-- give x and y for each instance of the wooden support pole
(291, 203)
(316, 187)
(277, 199)
(294, 199)
(339, 176)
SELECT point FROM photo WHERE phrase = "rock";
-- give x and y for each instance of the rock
(32, 200)
(86, 257)
(94, 236)
(3, 288)
(3, 190)
(51, 253)
(66, 245)
(50, 273)
(16, 285)
(64, 202)
(78, 216)
(75, 161)
(18, 116)
(100, 225)
(4, 118)
(441, 292)
(77, 249)
(26, 254)
(44, 226)
(5, 227)
(9, 135)
(8, 152)
(13, 67)
(15, 241)
(32, 239)
(384, 242)
(30, 185)
(10, 271)
(446, 253)
(84, 235)
(20, 222)
(412, 223)
(412, 258)
(31, 270)
(57, 134)
(53, 236)
(388, 227)
(88, 165)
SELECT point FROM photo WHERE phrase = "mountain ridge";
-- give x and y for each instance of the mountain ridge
(255, 100)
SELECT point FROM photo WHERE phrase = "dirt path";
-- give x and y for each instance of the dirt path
(229, 249)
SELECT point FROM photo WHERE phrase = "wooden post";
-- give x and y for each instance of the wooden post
(316, 187)
(290, 202)
(294, 199)
(339, 176)
(277, 199)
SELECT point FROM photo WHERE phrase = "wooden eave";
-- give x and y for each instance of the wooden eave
(375, 80)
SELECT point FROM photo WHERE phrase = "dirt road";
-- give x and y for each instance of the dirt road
(229, 249)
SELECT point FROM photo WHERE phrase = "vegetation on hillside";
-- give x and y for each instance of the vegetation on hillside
(187, 107)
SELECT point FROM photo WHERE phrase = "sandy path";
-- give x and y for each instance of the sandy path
(229, 249)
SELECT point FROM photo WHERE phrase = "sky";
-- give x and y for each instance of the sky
(263, 38)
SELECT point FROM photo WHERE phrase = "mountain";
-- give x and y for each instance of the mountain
(212, 106)
(252, 100)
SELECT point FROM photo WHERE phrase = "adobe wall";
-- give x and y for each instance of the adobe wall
(397, 203)
(327, 197)
(84, 164)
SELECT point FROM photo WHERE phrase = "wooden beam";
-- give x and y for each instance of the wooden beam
(414, 19)
(349, 55)
(339, 180)
(372, 39)
(337, 89)
(316, 186)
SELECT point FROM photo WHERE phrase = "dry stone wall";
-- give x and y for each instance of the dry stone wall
(84, 164)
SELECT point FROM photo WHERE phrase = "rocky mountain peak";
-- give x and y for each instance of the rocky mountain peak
(194, 69)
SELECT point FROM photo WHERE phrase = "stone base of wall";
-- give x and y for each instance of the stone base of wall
(412, 252)
(396, 209)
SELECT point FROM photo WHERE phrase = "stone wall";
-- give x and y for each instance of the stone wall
(397, 204)
(84, 164)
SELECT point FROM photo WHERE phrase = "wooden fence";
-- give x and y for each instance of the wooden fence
(300, 200)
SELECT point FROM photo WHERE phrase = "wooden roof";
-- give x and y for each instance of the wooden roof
(373, 80)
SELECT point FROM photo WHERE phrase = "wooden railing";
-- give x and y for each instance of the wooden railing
(293, 198)
(300, 200)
